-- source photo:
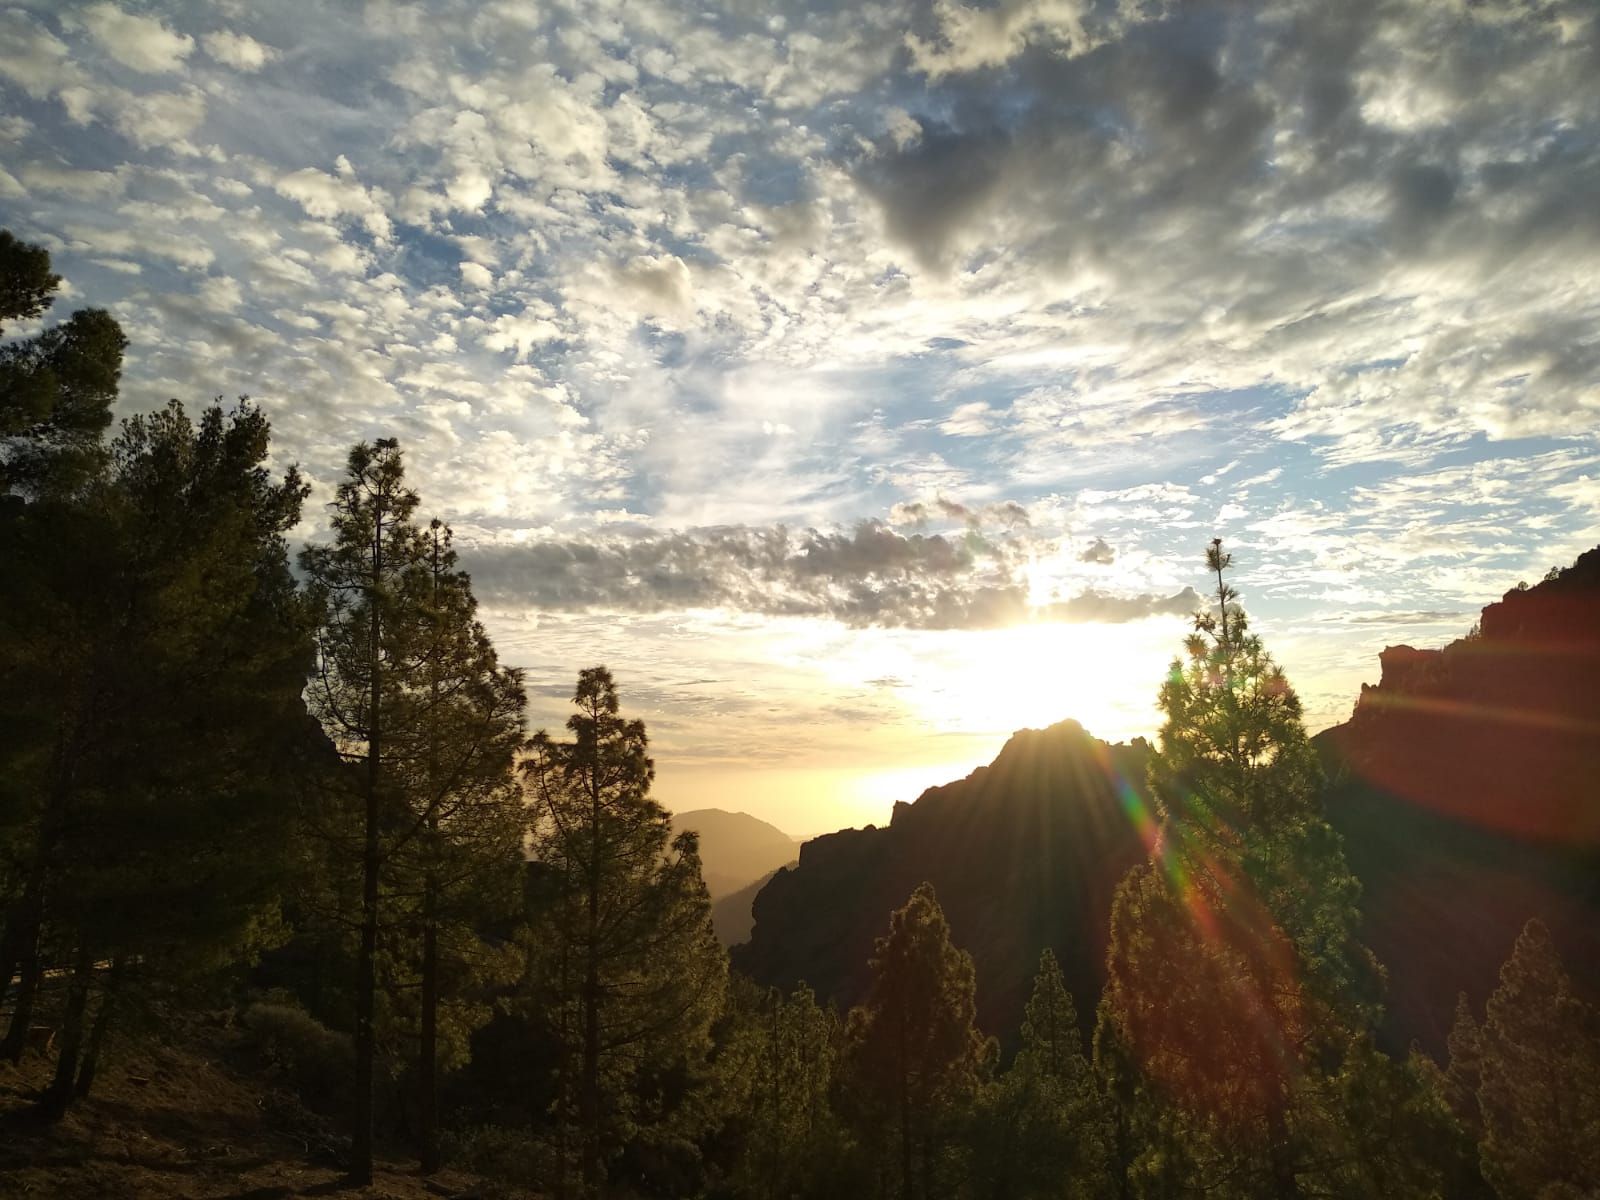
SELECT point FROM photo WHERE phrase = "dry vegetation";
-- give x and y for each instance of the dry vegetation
(196, 1120)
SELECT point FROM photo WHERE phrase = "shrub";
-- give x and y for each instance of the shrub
(318, 1062)
(507, 1156)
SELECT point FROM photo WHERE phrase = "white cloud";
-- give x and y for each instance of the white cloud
(143, 43)
(238, 50)
(32, 57)
(324, 195)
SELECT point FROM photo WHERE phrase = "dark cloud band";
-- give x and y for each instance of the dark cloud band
(871, 575)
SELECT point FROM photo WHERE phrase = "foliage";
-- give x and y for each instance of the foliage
(27, 285)
(155, 652)
(57, 386)
(315, 1059)
(913, 1055)
(425, 811)
(626, 975)
(775, 1070)
(1537, 1062)
(1236, 1028)
(1042, 1130)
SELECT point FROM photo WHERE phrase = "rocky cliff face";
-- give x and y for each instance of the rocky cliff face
(1467, 787)
(1024, 854)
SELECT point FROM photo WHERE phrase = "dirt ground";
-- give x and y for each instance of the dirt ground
(186, 1122)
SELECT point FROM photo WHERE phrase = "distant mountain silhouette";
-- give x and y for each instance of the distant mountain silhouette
(1467, 788)
(1024, 854)
(736, 849)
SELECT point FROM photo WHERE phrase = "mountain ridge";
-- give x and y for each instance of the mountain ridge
(1453, 860)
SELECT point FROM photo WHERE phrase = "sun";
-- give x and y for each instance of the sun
(1103, 676)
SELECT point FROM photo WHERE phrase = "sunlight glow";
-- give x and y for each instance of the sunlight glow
(1029, 676)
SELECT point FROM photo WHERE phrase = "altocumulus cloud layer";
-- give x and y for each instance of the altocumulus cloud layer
(665, 299)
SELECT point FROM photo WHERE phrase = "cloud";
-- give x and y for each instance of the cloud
(1094, 605)
(660, 286)
(324, 195)
(972, 38)
(238, 50)
(780, 264)
(143, 43)
(867, 576)
(1098, 552)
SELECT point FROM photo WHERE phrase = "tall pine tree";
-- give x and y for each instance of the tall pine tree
(914, 1055)
(1041, 1129)
(368, 659)
(628, 969)
(457, 864)
(1236, 1027)
(157, 649)
(1535, 1062)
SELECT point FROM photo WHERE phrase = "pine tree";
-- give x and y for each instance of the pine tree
(1236, 1027)
(1464, 1074)
(56, 387)
(914, 1055)
(455, 739)
(160, 647)
(368, 659)
(774, 1073)
(1042, 1128)
(27, 285)
(628, 968)
(1538, 1064)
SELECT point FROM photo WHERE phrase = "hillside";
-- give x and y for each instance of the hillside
(1024, 854)
(192, 1116)
(736, 849)
(1465, 785)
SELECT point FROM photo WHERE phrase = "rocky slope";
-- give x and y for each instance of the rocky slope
(1467, 788)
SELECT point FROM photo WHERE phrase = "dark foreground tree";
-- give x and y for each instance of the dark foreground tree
(1236, 1029)
(774, 1076)
(914, 1055)
(1041, 1128)
(367, 661)
(156, 649)
(56, 387)
(457, 861)
(627, 969)
(1529, 1078)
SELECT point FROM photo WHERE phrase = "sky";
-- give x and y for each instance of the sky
(863, 381)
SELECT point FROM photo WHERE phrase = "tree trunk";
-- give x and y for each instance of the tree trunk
(97, 1032)
(906, 1175)
(366, 993)
(428, 1050)
(1280, 1155)
(21, 940)
(366, 963)
(58, 1096)
(589, 1094)
(16, 1040)
(428, 1060)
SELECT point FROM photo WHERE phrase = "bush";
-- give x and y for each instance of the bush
(508, 1156)
(317, 1062)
